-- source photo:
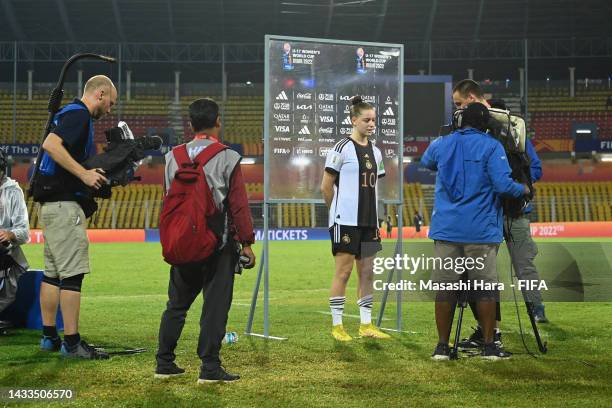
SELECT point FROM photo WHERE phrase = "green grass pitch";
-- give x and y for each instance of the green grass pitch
(125, 295)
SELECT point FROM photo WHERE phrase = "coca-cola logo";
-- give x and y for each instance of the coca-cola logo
(304, 96)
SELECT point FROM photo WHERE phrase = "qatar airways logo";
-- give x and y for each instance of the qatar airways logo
(282, 117)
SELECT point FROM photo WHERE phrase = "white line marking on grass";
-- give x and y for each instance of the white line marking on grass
(165, 295)
(399, 331)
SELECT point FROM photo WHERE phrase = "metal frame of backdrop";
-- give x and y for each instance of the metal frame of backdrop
(264, 265)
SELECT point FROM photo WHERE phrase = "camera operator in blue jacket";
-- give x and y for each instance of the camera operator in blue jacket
(467, 221)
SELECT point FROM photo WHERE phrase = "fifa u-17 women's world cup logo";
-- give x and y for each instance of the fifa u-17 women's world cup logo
(287, 57)
(361, 60)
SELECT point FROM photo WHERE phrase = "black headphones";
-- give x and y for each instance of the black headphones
(475, 115)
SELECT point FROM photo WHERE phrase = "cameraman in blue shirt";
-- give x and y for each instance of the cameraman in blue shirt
(467, 221)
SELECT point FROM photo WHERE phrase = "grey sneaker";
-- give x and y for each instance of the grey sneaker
(539, 315)
(83, 350)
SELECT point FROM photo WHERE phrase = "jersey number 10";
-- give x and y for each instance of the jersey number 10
(365, 179)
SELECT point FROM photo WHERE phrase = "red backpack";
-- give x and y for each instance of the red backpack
(184, 231)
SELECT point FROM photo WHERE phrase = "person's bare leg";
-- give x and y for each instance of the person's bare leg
(71, 307)
(344, 267)
(49, 300)
(365, 276)
(486, 316)
(445, 307)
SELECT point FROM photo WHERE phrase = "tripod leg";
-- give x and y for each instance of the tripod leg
(530, 312)
(454, 352)
(461, 304)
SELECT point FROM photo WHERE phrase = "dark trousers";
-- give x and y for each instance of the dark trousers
(215, 279)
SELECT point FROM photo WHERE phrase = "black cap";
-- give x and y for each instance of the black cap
(475, 115)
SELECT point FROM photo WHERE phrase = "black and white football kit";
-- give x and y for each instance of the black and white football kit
(353, 215)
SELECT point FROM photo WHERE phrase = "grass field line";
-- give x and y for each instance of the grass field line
(161, 295)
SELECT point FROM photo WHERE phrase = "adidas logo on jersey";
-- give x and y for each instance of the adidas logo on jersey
(347, 121)
(304, 131)
(388, 112)
(282, 96)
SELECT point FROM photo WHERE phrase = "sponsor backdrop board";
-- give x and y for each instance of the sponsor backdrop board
(308, 86)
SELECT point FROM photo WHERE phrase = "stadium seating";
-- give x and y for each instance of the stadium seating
(242, 117)
(134, 206)
(553, 111)
(558, 202)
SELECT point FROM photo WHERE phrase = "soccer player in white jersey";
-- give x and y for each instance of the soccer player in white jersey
(349, 187)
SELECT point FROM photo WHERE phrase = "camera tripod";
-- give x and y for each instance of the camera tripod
(462, 302)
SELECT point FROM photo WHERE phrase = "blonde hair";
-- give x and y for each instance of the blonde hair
(96, 82)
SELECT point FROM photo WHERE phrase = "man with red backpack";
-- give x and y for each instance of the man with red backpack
(205, 228)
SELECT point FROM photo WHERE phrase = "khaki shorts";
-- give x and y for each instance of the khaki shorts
(481, 268)
(66, 243)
